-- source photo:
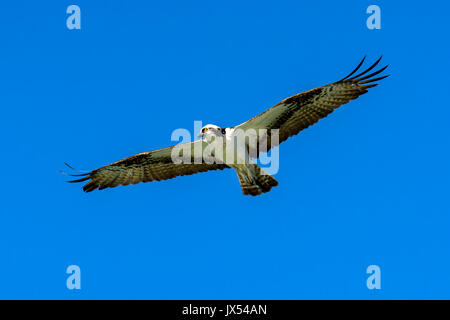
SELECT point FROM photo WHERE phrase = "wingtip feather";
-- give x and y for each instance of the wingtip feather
(367, 70)
(356, 69)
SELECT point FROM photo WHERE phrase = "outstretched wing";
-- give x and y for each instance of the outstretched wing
(150, 166)
(302, 110)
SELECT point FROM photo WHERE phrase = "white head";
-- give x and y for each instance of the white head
(211, 130)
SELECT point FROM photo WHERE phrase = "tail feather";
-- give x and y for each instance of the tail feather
(254, 180)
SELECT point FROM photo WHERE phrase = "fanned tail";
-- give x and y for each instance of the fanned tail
(254, 181)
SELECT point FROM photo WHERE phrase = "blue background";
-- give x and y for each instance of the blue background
(367, 185)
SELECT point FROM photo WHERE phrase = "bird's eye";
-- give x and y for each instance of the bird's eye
(203, 130)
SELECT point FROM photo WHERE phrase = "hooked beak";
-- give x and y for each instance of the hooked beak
(200, 135)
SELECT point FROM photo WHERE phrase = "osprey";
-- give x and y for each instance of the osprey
(288, 117)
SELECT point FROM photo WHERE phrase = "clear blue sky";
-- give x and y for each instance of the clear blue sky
(367, 185)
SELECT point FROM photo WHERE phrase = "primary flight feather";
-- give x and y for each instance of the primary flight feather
(289, 117)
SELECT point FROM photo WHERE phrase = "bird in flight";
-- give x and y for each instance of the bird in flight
(286, 119)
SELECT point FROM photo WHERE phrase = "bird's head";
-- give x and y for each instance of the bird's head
(209, 131)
